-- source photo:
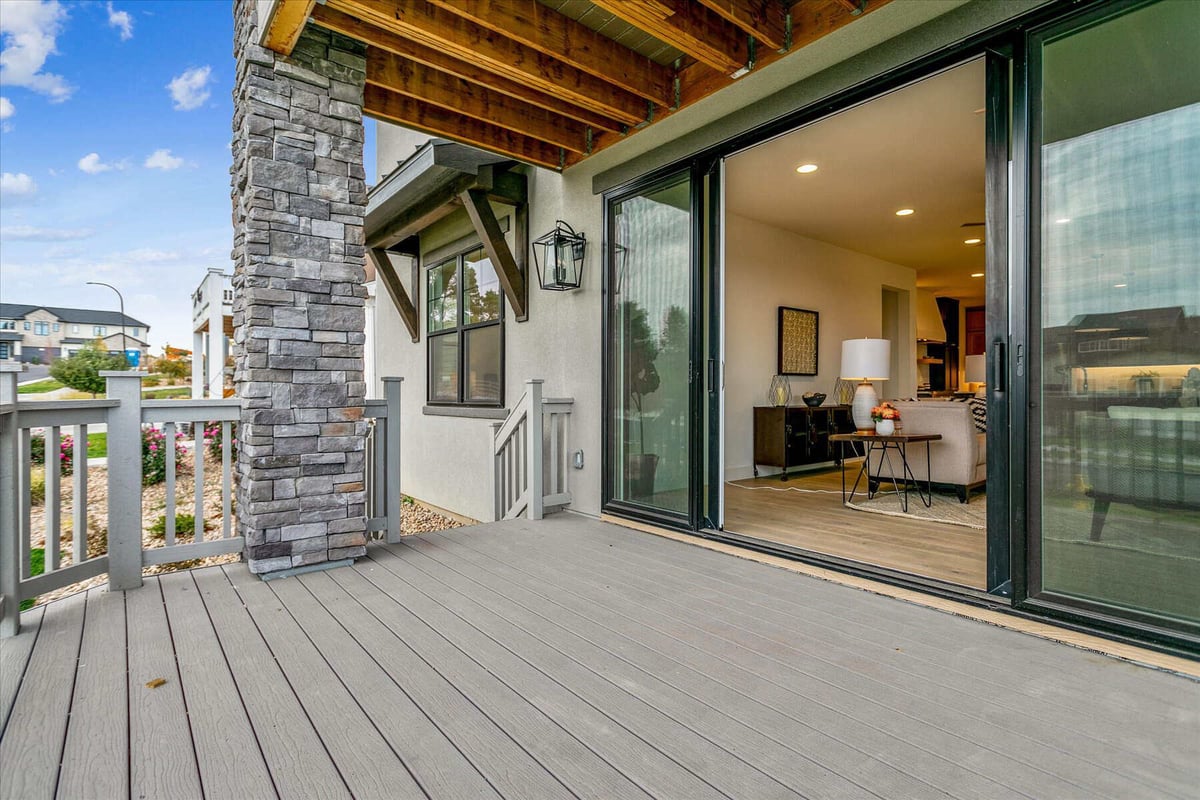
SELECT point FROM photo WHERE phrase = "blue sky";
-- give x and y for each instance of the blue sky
(114, 154)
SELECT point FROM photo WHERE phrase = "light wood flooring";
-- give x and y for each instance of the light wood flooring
(566, 658)
(816, 520)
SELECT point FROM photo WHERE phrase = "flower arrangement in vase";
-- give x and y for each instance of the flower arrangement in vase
(885, 416)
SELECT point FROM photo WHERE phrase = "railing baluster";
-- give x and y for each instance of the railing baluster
(52, 499)
(391, 447)
(24, 527)
(553, 453)
(226, 479)
(169, 440)
(79, 498)
(198, 469)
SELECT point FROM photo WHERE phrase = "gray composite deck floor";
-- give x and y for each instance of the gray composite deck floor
(567, 658)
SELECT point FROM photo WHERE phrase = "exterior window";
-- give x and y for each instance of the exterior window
(26, 325)
(7, 325)
(57, 327)
(136, 331)
(99, 330)
(3, 350)
(41, 328)
(74, 329)
(464, 315)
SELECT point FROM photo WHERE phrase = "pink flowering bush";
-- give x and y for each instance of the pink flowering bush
(66, 452)
(212, 440)
(154, 454)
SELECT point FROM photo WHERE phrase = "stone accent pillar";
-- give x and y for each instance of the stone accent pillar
(298, 202)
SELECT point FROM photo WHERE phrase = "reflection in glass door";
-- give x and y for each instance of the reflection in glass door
(1116, 458)
(649, 348)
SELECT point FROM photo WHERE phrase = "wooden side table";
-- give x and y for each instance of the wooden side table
(898, 442)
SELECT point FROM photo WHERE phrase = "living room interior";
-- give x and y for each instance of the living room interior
(867, 225)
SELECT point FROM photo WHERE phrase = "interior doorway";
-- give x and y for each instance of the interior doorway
(872, 222)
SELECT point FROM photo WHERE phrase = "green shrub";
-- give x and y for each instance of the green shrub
(185, 525)
(151, 380)
(213, 440)
(178, 368)
(66, 452)
(82, 369)
(37, 565)
(154, 454)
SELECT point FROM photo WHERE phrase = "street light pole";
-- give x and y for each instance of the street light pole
(121, 300)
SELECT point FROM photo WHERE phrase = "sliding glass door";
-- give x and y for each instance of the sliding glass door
(650, 351)
(1114, 434)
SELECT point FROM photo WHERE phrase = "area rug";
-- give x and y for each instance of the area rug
(945, 509)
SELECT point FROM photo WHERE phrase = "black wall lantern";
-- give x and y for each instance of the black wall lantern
(559, 258)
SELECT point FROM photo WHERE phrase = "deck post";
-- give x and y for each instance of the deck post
(10, 547)
(299, 198)
(534, 454)
(392, 493)
(124, 480)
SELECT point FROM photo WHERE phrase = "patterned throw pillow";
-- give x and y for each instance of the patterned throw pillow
(979, 413)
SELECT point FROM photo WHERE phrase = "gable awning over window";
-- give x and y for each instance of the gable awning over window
(440, 178)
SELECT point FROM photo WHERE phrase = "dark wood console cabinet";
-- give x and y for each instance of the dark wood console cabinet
(792, 436)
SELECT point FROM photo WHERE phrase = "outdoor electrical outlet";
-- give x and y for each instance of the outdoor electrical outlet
(577, 461)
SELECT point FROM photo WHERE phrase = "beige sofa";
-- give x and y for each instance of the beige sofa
(958, 460)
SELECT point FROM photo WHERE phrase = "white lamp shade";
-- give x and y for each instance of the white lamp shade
(866, 359)
(976, 369)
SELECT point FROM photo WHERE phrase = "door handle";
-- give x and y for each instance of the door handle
(999, 372)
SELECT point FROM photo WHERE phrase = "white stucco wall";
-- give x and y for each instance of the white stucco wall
(767, 267)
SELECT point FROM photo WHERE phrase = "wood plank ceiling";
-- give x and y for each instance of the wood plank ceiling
(551, 82)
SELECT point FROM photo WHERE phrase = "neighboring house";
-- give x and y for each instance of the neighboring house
(212, 333)
(761, 186)
(39, 334)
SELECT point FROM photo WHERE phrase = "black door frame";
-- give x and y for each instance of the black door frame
(1011, 231)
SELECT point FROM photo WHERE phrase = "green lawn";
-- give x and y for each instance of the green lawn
(167, 393)
(47, 385)
(97, 445)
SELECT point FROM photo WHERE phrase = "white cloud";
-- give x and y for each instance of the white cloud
(6, 108)
(29, 30)
(16, 185)
(190, 90)
(29, 233)
(92, 165)
(122, 21)
(162, 159)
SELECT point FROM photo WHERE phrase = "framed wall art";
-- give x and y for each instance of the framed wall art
(798, 330)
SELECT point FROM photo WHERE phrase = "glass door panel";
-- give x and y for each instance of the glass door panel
(649, 349)
(1117, 141)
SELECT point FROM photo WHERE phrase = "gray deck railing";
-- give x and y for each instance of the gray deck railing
(125, 416)
(531, 462)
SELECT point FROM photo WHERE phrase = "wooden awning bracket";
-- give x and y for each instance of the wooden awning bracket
(386, 272)
(510, 273)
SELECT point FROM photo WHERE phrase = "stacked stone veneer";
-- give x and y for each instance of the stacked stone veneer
(298, 202)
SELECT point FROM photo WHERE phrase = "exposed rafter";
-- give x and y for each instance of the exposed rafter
(765, 20)
(437, 59)
(571, 42)
(688, 26)
(454, 94)
(396, 108)
(465, 40)
(282, 30)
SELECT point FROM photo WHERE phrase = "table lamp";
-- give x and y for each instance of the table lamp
(976, 369)
(865, 360)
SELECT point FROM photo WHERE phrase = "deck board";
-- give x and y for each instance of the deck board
(95, 760)
(567, 658)
(34, 735)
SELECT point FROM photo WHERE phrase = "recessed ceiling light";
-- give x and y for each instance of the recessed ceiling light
(1120, 285)
(905, 212)
(972, 241)
(1062, 220)
(804, 169)
(976, 274)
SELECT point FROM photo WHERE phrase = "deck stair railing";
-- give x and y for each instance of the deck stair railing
(121, 553)
(531, 462)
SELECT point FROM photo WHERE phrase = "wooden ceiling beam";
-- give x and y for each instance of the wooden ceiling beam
(557, 35)
(454, 94)
(380, 103)
(463, 39)
(285, 25)
(467, 71)
(765, 20)
(688, 26)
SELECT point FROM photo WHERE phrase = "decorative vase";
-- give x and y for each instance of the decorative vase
(780, 393)
(885, 427)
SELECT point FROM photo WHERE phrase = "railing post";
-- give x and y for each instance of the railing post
(125, 480)
(10, 548)
(497, 476)
(391, 483)
(533, 448)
